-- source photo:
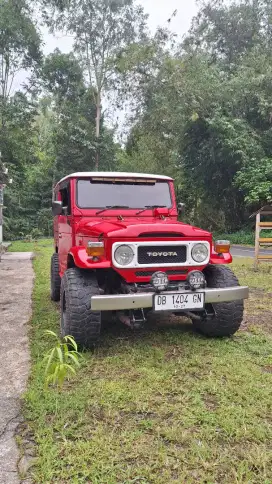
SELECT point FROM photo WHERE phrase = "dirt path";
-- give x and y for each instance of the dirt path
(16, 282)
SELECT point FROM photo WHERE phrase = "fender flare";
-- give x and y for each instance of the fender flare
(83, 261)
(217, 259)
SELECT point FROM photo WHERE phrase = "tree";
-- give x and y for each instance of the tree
(205, 115)
(73, 109)
(102, 29)
(19, 49)
(230, 31)
(19, 43)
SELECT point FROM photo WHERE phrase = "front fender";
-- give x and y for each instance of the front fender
(220, 259)
(83, 261)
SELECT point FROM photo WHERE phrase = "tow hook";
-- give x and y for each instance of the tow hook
(134, 319)
(209, 313)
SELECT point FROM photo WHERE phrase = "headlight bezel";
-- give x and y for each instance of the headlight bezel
(206, 253)
(132, 254)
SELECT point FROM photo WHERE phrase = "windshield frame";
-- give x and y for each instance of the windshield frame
(131, 209)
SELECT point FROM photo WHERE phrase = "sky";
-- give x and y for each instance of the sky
(159, 11)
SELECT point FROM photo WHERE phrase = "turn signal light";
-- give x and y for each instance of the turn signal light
(95, 249)
(222, 246)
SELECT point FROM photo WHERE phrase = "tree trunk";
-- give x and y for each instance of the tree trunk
(97, 131)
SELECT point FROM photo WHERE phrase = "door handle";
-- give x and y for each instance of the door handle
(60, 236)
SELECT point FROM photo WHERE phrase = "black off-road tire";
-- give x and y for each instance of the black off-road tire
(77, 318)
(228, 315)
(55, 278)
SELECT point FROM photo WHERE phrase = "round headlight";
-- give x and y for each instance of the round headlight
(200, 252)
(196, 280)
(160, 281)
(124, 255)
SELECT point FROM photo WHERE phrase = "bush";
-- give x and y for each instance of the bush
(244, 237)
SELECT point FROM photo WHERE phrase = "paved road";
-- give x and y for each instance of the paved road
(16, 280)
(241, 251)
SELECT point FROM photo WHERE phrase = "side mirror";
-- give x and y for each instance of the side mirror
(57, 208)
(181, 207)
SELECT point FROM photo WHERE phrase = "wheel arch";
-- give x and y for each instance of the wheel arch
(70, 261)
(83, 261)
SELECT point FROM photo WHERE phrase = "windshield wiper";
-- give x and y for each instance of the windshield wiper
(111, 207)
(150, 207)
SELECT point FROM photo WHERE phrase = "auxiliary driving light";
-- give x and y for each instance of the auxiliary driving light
(160, 281)
(196, 280)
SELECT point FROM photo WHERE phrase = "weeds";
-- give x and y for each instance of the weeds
(157, 406)
(61, 361)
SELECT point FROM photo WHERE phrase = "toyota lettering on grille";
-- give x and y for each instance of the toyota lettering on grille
(162, 254)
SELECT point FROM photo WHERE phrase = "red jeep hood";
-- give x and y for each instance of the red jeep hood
(135, 228)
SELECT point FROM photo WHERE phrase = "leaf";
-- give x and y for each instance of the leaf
(71, 369)
(48, 332)
(50, 358)
(71, 339)
(60, 354)
(195, 117)
(74, 358)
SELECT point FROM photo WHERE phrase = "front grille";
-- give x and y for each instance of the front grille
(167, 254)
(169, 273)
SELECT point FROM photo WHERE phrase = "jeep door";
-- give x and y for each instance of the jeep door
(64, 227)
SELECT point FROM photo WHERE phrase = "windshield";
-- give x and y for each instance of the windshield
(134, 195)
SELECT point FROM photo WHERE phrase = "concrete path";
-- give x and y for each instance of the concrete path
(16, 282)
(242, 251)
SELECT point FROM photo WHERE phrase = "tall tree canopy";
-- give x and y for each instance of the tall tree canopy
(199, 110)
(101, 29)
(207, 114)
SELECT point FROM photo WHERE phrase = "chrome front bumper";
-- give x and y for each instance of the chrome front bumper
(117, 302)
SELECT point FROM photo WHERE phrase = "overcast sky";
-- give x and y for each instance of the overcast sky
(159, 11)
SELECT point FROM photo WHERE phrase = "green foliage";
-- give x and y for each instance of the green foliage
(62, 360)
(206, 115)
(243, 237)
(199, 112)
(230, 30)
(101, 29)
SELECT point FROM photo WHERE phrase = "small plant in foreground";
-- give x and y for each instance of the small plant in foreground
(62, 361)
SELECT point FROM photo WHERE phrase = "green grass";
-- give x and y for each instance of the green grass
(153, 407)
(38, 246)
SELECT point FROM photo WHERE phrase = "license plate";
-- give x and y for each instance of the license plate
(179, 301)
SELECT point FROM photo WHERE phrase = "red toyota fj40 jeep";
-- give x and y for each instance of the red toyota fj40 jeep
(120, 248)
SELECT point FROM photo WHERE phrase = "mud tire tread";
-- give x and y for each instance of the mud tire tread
(229, 315)
(55, 278)
(80, 321)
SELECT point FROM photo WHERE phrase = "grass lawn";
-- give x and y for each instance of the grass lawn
(167, 406)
